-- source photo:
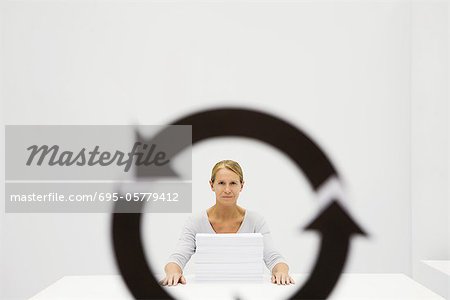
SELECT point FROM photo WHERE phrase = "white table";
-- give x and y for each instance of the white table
(440, 265)
(350, 286)
(435, 274)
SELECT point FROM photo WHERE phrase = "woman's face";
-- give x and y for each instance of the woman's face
(226, 186)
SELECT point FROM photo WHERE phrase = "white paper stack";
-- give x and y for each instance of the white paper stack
(222, 257)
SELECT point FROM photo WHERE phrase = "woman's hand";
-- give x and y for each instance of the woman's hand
(174, 275)
(280, 274)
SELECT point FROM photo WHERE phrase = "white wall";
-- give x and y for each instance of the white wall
(339, 71)
(429, 141)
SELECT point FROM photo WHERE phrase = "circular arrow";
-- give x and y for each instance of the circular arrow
(334, 224)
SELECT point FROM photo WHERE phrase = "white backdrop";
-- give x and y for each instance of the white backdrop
(340, 71)
(430, 198)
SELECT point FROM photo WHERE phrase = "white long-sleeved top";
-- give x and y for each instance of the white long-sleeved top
(199, 223)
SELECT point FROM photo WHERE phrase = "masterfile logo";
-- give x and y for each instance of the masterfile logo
(91, 152)
(145, 156)
(79, 169)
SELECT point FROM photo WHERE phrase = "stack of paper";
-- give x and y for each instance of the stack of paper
(229, 256)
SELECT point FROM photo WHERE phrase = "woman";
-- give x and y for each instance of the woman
(225, 216)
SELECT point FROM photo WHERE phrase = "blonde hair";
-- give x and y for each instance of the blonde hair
(230, 165)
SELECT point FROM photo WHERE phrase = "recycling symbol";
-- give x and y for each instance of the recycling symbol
(334, 223)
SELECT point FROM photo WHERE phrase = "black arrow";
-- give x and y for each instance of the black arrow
(306, 155)
(130, 255)
(336, 228)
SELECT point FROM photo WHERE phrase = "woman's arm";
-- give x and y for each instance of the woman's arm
(280, 274)
(179, 258)
(273, 259)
